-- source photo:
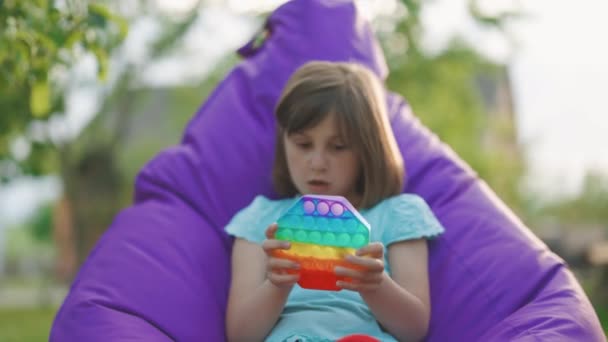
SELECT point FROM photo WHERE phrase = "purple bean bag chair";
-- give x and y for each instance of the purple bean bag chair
(162, 270)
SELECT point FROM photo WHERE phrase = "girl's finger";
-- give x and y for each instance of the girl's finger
(359, 276)
(354, 286)
(367, 263)
(278, 263)
(270, 245)
(374, 250)
(283, 279)
(271, 230)
(348, 273)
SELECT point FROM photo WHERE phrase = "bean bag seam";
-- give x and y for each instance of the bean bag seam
(108, 305)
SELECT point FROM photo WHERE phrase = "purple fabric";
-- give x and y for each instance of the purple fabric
(161, 271)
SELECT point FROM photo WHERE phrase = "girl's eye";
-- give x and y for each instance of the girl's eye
(304, 145)
(339, 147)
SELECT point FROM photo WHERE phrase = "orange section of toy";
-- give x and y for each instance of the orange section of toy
(317, 273)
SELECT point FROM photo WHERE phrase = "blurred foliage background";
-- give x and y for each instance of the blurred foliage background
(464, 97)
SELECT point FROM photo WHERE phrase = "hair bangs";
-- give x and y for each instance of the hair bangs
(307, 114)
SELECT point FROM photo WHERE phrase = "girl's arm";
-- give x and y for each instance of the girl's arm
(401, 304)
(259, 288)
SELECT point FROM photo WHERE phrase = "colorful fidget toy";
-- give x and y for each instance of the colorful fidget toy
(322, 231)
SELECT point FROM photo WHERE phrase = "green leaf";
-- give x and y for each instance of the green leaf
(102, 62)
(99, 15)
(42, 4)
(74, 36)
(96, 20)
(40, 99)
(99, 12)
(123, 26)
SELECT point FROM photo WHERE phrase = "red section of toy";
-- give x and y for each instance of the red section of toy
(358, 338)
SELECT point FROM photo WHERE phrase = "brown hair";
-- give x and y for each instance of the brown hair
(355, 96)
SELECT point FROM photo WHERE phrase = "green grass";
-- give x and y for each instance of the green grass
(24, 325)
(602, 313)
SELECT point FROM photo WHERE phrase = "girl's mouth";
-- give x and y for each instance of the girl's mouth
(317, 186)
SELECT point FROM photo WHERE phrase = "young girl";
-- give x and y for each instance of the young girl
(334, 138)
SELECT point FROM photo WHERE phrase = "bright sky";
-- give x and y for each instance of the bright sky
(561, 84)
(559, 73)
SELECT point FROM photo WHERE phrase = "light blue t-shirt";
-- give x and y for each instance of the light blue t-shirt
(313, 315)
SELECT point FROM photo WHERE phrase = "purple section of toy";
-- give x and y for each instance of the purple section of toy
(330, 206)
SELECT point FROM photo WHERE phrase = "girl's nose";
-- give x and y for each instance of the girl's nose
(318, 161)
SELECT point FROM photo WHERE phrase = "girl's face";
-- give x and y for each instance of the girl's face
(320, 162)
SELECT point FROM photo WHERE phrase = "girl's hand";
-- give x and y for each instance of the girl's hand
(368, 271)
(280, 272)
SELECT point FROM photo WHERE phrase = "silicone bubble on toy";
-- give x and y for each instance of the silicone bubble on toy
(322, 230)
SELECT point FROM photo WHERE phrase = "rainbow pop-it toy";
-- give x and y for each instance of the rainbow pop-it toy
(322, 230)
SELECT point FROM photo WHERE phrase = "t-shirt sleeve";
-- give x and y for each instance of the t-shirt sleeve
(250, 223)
(409, 217)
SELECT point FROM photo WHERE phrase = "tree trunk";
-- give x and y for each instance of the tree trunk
(93, 193)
